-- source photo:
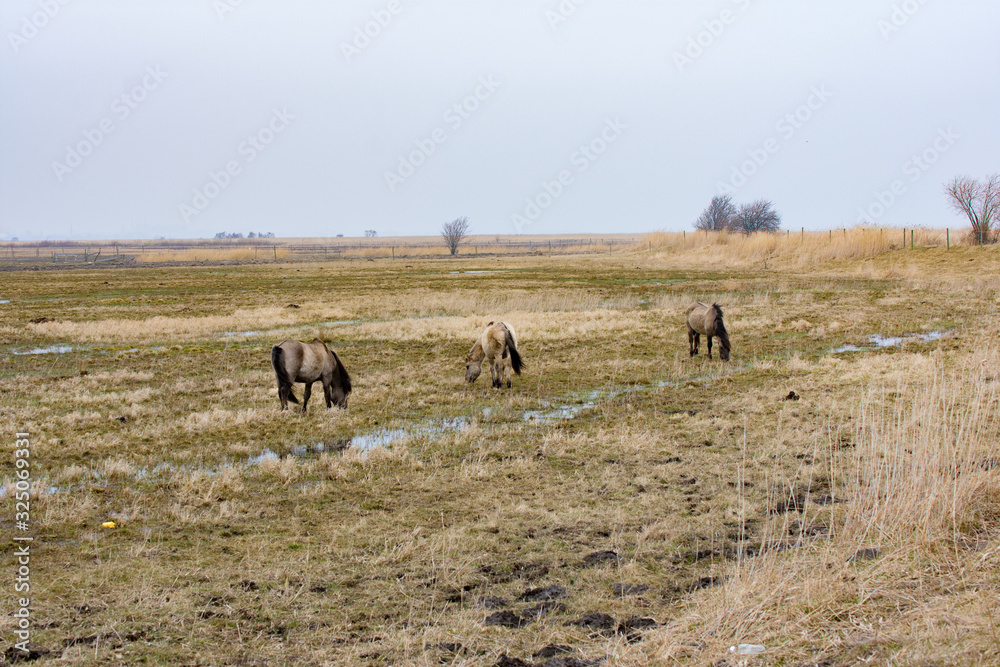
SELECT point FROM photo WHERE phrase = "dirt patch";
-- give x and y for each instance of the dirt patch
(554, 592)
(596, 621)
(622, 590)
(507, 619)
(491, 602)
(600, 558)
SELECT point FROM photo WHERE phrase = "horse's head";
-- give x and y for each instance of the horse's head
(339, 397)
(472, 369)
(340, 387)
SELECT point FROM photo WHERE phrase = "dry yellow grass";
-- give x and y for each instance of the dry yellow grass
(788, 249)
(859, 523)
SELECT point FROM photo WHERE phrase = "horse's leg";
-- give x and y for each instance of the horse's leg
(690, 342)
(507, 370)
(709, 345)
(328, 393)
(497, 369)
(305, 395)
(697, 340)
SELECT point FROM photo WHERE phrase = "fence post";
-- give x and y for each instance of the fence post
(904, 238)
(911, 239)
(803, 237)
(947, 239)
(275, 249)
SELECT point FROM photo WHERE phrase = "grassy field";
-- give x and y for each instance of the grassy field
(622, 504)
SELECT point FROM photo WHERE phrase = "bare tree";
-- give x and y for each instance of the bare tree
(757, 216)
(979, 201)
(370, 233)
(718, 216)
(453, 233)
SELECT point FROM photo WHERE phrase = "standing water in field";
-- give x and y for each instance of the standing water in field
(878, 341)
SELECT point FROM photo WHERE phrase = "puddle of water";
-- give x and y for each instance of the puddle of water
(485, 271)
(306, 450)
(266, 455)
(569, 410)
(387, 437)
(383, 438)
(43, 490)
(879, 342)
(4, 300)
(52, 349)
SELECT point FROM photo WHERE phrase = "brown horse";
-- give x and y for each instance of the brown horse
(498, 346)
(295, 361)
(705, 319)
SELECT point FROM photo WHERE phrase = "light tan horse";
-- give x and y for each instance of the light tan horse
(498, 347)
(705, 319)
(295, 361)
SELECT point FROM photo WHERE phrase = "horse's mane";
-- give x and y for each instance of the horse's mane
(720, 328)
(345, 378)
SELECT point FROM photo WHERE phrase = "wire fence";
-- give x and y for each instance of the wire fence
(243, 250)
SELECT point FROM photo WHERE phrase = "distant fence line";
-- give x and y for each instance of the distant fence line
(267, 249)
(130, 253)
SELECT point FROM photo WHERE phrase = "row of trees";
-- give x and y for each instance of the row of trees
(250, 235)
(977, 199)
(722, 214)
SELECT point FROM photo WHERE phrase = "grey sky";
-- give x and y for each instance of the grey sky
(309, 119)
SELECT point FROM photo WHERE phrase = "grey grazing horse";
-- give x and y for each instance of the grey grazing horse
(498, 347)
(295, 361)
(705, 319)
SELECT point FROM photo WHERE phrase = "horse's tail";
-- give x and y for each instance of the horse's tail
(345, 378)
(278, 362)
(515, 356)
(720, 328)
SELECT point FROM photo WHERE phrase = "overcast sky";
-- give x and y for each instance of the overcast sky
(183, 118)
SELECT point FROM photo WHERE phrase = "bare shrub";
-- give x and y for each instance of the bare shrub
(757, 216)
(718, 216)
(979, 201)
(453, 232)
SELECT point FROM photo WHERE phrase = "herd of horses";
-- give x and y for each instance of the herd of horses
(297, 361)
